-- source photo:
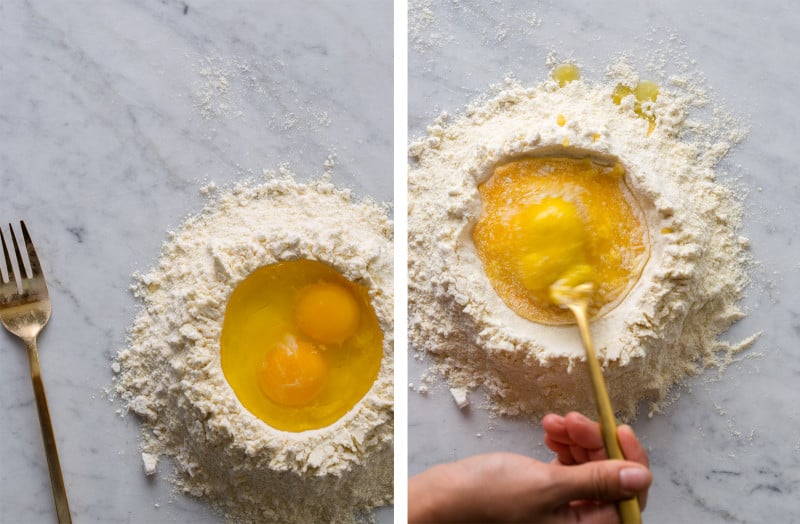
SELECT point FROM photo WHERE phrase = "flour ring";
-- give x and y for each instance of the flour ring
(646, 344)
(171, 374)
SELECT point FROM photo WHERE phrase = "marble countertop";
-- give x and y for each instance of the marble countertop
(112, 116)
(728, 448)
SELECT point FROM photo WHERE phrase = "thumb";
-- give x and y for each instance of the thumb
(601, 480)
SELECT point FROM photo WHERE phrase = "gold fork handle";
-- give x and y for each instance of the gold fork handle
(53, 464)
(629, 510)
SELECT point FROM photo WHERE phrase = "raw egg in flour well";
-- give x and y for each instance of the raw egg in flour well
(300, 345)
(555, 221)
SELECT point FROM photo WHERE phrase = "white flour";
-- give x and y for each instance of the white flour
(170, 375)
(669, 324)
(228, 86)
(510, 24)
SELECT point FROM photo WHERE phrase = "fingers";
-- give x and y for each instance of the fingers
(584, 432)
(604, 480)
(558, 439)
(591, 513)
(554, 425)
(631, 447)
(635, 452)
(563, 451)
(575, 439)
(573, 429)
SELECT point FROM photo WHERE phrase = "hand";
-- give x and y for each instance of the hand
(576, 440)
(578, 486)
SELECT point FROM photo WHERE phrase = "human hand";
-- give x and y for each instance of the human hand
(578, 486)
(577, 440)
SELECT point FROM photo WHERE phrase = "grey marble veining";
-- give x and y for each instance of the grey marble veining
(112, 116)
(728, 447)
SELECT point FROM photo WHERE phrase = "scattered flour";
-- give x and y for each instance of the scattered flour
(170, 373)
(666, 328)
(422, 31)
(232, 88)
(427, 29)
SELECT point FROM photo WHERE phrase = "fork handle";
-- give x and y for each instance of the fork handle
(53, 464)
(628, 509)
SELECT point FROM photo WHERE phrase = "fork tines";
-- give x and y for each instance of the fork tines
(17, 267)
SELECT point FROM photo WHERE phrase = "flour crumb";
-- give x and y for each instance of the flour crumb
(460, 397)
(330, 162)
(150, 463)
(208, 189)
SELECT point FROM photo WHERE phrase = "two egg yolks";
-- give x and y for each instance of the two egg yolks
(300, 344)
(557, 222)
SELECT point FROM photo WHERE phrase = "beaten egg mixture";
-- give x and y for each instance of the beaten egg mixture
(559, 221)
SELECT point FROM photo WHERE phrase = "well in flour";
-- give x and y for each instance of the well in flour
(300, 344)
(668, 324)
(170, 373)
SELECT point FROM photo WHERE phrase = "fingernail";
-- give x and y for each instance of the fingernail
(633, 479)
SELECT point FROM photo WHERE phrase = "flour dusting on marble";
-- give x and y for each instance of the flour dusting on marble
(509, 24)
(234, 88)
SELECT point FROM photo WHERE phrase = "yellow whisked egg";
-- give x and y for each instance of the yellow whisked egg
(300, 344)
(555, 222)
(550, 242)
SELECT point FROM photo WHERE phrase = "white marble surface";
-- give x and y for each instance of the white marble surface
(112, 116)
(728, 449)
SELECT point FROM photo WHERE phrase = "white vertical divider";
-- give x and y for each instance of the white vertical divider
(400, 261)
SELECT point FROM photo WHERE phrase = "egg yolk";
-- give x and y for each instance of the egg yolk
(327, 312)
(300, 345)
(550, 223)
(293, 373)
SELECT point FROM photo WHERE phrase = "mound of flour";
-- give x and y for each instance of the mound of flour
(170, 373)
(665, 329)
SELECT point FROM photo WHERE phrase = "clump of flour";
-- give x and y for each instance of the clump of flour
(170, 373)
(669, 324)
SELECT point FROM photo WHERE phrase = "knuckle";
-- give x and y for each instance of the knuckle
(601, 486)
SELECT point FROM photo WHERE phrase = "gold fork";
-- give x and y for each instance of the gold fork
(24, 310)
(577, 299)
